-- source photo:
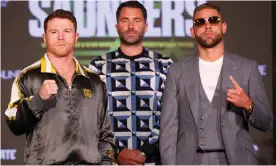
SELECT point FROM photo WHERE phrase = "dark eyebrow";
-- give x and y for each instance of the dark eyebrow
(50, 30)
(124, 18)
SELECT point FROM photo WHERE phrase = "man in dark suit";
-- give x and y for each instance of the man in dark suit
(209, 100)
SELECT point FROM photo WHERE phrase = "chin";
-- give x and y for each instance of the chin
(131, 40)
(61, 54)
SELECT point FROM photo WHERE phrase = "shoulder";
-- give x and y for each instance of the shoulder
(160, 57)
(92, 75)
(98, 58)
(176, 67)
(237, 57)
(245, 65)
(95, 81)
(184, 62)
(32, 70)
(102, 58)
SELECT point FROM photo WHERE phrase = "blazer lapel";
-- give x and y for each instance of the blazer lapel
(191, 83)
(230, 67)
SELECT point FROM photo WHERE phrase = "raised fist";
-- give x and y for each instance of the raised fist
(48, 88)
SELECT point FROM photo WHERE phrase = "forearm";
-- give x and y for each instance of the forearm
(261, 116)
(23, 114)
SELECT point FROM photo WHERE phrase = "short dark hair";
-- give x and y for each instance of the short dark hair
(207, 5)
(60, 13)
(131, 4)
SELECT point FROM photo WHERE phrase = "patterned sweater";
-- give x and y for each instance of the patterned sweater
(135, 85)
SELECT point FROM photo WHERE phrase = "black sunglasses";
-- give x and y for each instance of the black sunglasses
(212, 20)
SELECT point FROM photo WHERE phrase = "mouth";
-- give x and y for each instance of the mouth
(209, 34)
(61, 45)
(131, 33)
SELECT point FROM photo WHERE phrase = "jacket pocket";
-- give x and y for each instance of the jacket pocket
(251, 154)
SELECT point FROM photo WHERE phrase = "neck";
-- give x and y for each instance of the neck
(61, 63)
(132, 50)
(211, 54)
(65, 66)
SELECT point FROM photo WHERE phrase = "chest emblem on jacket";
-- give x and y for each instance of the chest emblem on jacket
(87, 93)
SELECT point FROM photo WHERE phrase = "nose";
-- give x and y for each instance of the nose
(130, 25)
(61, 36)
(207, 25)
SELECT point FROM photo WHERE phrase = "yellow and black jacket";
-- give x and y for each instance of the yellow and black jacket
(72, 127)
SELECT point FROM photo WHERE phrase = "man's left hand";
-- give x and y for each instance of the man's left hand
(237, 96)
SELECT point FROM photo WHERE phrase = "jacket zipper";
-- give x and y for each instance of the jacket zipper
(70, 87)
(70, 94)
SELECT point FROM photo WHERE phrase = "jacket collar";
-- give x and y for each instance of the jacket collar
(47, 67)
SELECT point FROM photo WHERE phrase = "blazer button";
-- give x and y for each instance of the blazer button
(252, 120)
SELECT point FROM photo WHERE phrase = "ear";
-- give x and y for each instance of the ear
(146, 27)
(44, 38)
(224, 27)
(116, 26)
(77, 37)
(192, 32)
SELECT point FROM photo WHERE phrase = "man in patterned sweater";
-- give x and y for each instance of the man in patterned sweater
(135, 77)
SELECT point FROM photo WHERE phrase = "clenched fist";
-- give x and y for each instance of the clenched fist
(48, 88)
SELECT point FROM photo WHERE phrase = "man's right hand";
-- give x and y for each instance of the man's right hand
(128, 157)
(48, 88)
